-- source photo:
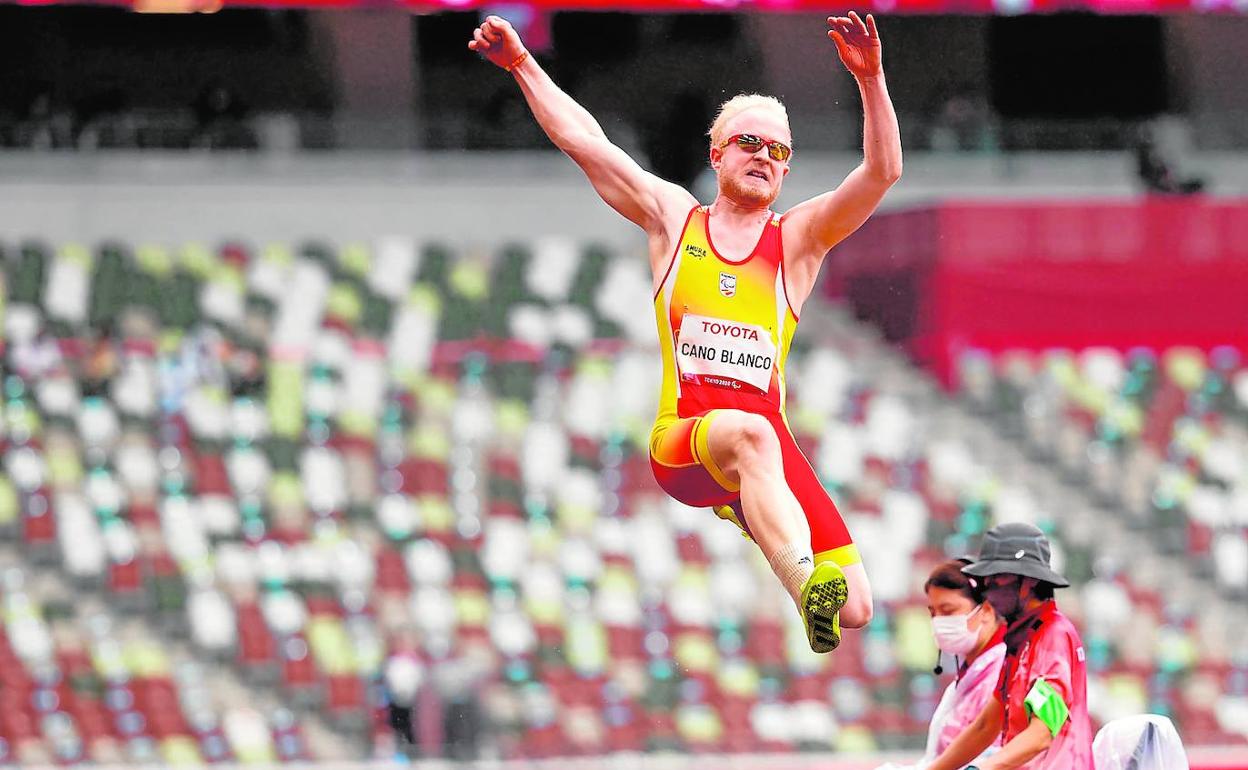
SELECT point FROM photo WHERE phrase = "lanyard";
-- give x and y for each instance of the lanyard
(1017, 645)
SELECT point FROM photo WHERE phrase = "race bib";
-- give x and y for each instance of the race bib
(727, 354)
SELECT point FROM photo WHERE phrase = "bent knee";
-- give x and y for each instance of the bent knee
(753, 435)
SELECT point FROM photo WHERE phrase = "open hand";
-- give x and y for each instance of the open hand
(858, 44)
(497, 41)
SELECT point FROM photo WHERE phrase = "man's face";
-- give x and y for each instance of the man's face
(1003, 592)
(752, 179)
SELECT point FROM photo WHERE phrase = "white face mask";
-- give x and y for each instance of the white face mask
(953, 633)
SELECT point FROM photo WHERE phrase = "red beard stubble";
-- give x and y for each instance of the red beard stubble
(734, 188)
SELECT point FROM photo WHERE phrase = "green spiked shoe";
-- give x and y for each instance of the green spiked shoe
(822, 598)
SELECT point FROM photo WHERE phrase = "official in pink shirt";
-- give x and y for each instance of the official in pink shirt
(967, 630)
(1039, 709)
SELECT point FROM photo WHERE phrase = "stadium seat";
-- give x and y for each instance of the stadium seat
(434, 489)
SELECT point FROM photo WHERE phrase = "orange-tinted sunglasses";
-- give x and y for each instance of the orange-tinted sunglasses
(752, 144)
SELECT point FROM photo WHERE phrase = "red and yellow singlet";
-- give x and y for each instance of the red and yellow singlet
(724, 327)
(724, 333)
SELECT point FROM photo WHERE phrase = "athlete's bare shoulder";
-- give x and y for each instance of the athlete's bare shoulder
(675, 204)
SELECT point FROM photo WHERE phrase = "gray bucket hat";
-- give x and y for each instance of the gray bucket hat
(1015, 548)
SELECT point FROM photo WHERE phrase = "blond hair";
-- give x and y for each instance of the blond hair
(739, 104)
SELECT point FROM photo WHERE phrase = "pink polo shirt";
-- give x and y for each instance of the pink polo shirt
(1053, 652)
(964, 699)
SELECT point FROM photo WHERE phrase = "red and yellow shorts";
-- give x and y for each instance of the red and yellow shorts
(680, 457)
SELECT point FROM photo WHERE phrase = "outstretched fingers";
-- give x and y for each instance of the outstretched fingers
(853, 27)
(857, 23)
(850, 29)
(842, 30)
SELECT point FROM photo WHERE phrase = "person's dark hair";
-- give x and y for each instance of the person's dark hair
(1043, 591)
(949, 575)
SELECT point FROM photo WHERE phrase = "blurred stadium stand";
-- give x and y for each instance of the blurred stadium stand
(997, 275)
(257, 493)
(1157, 437)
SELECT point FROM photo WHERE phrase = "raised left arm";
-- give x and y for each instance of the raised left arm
(825, 220)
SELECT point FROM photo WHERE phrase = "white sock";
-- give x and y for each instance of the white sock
(793, 564)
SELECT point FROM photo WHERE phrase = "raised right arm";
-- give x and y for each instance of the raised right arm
(641, 197)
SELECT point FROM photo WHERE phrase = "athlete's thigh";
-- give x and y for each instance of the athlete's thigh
(681, 460)
(724, 439)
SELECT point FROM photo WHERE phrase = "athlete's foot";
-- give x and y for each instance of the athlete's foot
(822, 598)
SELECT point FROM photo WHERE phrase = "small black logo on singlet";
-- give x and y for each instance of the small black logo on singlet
(696, 251)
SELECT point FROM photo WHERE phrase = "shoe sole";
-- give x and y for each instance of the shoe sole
(822, 601)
